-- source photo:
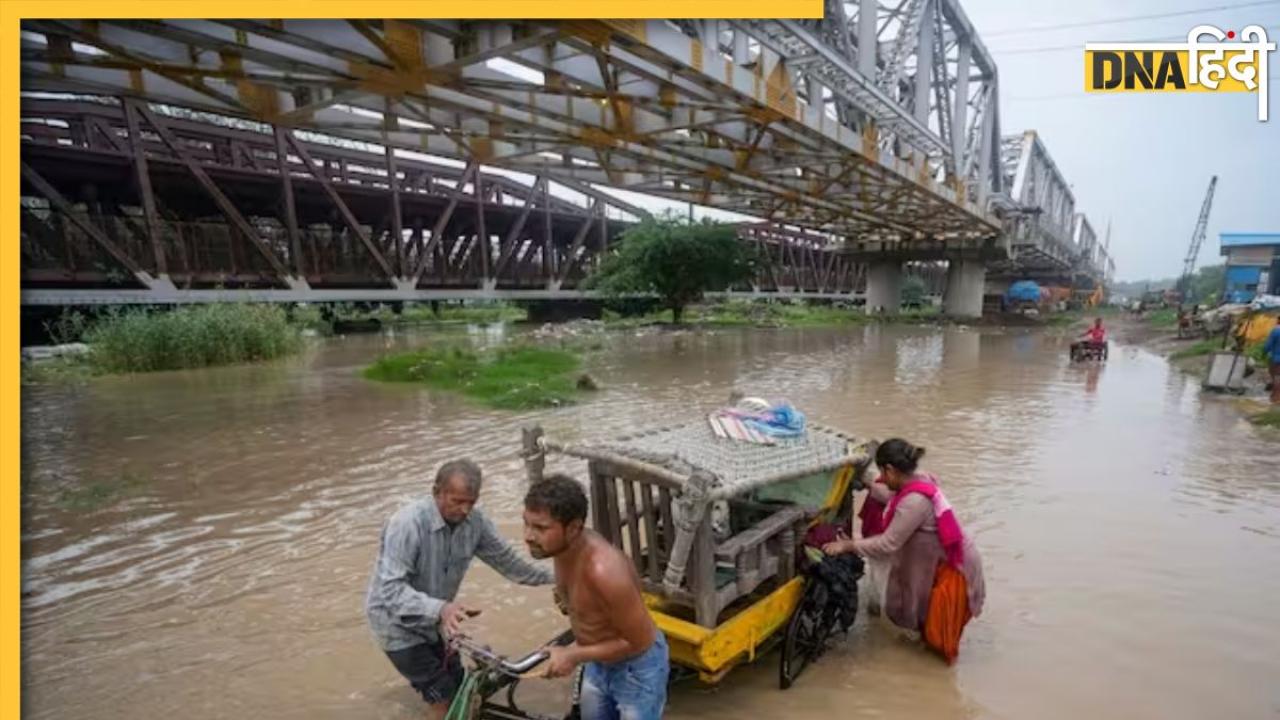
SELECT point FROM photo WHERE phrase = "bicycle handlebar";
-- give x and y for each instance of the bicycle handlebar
(483, 655)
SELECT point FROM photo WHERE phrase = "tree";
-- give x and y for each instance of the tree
(1207, 283)
(676, 259)
(913, 291)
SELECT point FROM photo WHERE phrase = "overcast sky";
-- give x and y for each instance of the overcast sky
(1142, 161)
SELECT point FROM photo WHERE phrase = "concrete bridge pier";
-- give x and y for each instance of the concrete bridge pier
(884, 288)
(966, 283)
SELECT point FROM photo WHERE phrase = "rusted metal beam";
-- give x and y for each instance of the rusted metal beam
(548, 256)
(104, 131)
(772, 261)
(416, 239)
(463, 257)
(347, 216)
(571, 257)
(831, 263)
(138, 62)
(397, 223)
(60, 203)
(367, 31)
(245, 152)
(482, 233)
(513, 236)
(142, 175)
(441, 222)
(290, 203)
(224, 204)
(604, 229)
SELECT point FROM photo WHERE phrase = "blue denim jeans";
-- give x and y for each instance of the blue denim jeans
(634, 689)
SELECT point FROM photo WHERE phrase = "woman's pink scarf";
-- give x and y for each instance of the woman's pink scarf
(949, 531)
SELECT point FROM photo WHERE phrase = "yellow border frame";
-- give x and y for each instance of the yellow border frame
(10, 516)
(13, 11)
(474, 9)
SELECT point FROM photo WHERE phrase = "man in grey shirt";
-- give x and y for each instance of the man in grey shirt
(426, 548)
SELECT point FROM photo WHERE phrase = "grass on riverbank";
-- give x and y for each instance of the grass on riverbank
(1163, 318)
(1267, 418)
(190, 337)
(414, 314)
(99, 494)
(1207, 346)
(514, 378)
(747, 313)
(778, 314)
(140, 340)
(62, 370)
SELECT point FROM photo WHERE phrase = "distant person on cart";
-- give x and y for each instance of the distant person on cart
(1272, 351)
(1093, 342)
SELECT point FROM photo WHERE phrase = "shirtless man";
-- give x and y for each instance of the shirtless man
(625, 654)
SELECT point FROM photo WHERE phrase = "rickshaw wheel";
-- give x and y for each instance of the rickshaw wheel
(806, 635)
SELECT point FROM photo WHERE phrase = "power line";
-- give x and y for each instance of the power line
(1077, 46)
(1062, 96)
(1131, 18)
(1080, 46)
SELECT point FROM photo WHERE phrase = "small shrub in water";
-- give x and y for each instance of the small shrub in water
(513, 378)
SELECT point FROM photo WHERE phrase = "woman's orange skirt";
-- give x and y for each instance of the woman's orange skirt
(948, 612)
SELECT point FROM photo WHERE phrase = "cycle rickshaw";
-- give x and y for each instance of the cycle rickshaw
(716, 529)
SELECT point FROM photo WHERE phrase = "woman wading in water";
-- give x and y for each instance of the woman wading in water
(935, 582)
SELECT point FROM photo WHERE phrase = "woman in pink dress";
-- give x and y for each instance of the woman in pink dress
(920, 533)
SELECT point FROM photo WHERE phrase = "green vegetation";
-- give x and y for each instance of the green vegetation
(99, 493)
(311, 317)
(1203, 347)
(1204, 287)
(1212, 345)
(188, 337)
(1206, 284)
(1163, 318)
(75, 369)
(1065, 319)
(140, 340)
(1259, 354)
(322, 321)
(927, 315)
(913, 291)
(1267, 418)
(512, 378)
(743, 312)
(677, 260)
(750, 313)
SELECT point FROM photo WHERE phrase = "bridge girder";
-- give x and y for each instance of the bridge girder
(888, 134)
(111, 214)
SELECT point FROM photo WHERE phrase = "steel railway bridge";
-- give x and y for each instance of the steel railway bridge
(296, 160)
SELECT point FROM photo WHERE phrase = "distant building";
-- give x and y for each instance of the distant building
(1253, 265)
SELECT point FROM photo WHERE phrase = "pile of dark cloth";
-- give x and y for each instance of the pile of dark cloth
(840, 573)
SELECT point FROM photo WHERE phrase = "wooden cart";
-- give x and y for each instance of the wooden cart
(714, 527)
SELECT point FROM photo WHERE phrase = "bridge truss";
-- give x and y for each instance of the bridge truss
(878, 121)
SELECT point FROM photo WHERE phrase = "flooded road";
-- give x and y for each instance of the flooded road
(197, 544)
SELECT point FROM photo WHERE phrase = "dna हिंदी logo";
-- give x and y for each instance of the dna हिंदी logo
(1222, 63)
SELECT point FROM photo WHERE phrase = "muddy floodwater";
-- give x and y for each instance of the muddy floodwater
(196, 544)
